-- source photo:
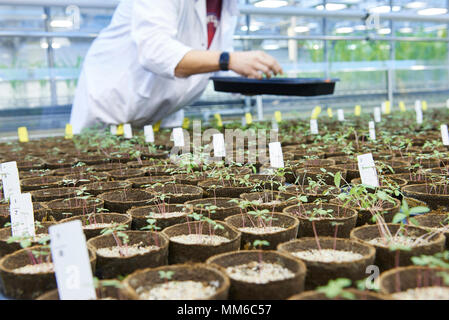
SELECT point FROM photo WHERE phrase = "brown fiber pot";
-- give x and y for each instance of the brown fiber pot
(177, 193)
(144, 182)
(405, 278)
(46, 195)
(314, 173)
(325, 193)
(124, 199)
(273, 290)
(434, 221)
(28, 286)
(110, 218)
(438, 199)
(64, 208)
(140, 215)
(274, 201)
(112, 267)
(124, 174)
(289, 223)
(346, 219)
(182, 272)
(358, 295)
(386, 259)
(225, 207)
(97, 188)
(319, 273)
(181, 253)
(216, 188)
(39, 183)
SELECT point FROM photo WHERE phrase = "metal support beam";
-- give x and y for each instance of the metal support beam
(50, 59)
(109, 4)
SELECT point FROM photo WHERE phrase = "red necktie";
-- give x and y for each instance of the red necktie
(213, 18)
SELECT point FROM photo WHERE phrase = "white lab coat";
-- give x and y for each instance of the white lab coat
(128, 73)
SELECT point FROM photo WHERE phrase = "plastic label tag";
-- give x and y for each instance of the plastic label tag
(23, 134)
(157, 126)
(276, 156)
(217, 116)
(316, 112)
(186, 123)
(358, 111)
(314, 126)
(402, 106)
(22, 215)
(148, 132)
(330, 113)
(219, 145)
(178, 137)
(113, 129)
(386, 107)
(10, 179)
(127, 131)
(71, 261)
(120, 130)
(424, 105)
(248, 118)
(372, 130)
(278, 116)
(68, 131)
(341, 115)
(445, 134)
(418, 110)
(377, 115)
(447, 103)
(367, 170)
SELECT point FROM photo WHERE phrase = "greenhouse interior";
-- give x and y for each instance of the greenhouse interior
(224, 150)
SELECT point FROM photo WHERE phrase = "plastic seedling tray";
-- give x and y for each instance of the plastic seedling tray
(305, 87)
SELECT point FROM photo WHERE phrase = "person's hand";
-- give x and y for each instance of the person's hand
(254, 64)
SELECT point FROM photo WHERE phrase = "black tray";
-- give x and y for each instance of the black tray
(305, 87)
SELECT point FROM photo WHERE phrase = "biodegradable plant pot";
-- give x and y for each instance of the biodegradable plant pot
(223, 207)
(272, 290)
(58, 163)
(434, 222)
(112, 267)
(6, 233)
(287, 222)
(223, 188)
(46, 195)
(83, 178)
(92, 160)
(176, 193)
(358, 295)
(324, 193)
(27, 165)
(162, 213)
(352, 170)
(107, 167)
(270, 200)
(183, 252)
(163, 170)
(412, 177)
(65, 208)
(342, 159)
(398, 182)
(124, 199)
(144, 182)
(341, 220)
(94, 223)
(402, 279)
(320, 163)
(319, 272)
(35, 173)
(191, 178)
(104, 291)
(124, 174)
(266, 181)
(436, 196)
(39, 183)
(40, 212)
(70, 170)
(314, 173)
(388, 211)
(149, 278)
(397, 166)
(97, 188)
(28, 286)
(387, 259)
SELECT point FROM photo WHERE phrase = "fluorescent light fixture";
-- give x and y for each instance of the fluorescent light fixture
(316, 47)
(344, 30)
(44, 45)
(352, 46)
(251, 28)
(385, 9)
(432, 11)
(61, 23)
(56, 45)
(271, 4)
(415, 5)
(418, 68)
(406, 30)
(360, 27)
(332, 6)
(396, 8)
(384, 31)
(271, 47)
(302, 29)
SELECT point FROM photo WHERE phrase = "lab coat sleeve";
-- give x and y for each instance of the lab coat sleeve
(154, 29)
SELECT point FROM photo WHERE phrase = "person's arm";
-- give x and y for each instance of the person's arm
(251, 64)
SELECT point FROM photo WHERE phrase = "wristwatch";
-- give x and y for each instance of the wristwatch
(224, 61)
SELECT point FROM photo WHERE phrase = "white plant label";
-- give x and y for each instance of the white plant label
(148, 133)
(377, 115)
(274, 125)
(384, 107)
(10, 178)
(447, 103)
(178, 137)
(372, 130)
(219, 145)
(367, 170)
(71, 261)
(113, 129)
(445, 134)
(22, 215)
(341, 115)
(276, 156)
(127, 131)
(314, 126)
(419, 114)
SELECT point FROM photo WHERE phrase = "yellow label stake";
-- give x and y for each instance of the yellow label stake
(120, 130)
(186, 123)
(278, 116)
(387, 107)
(217, 117)
(424, 105)
(316, 112)
(330, 113)
(157, 126)
(402, 106)
(249, 118)
(68, 131)
(358, 111)
(23, 134)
